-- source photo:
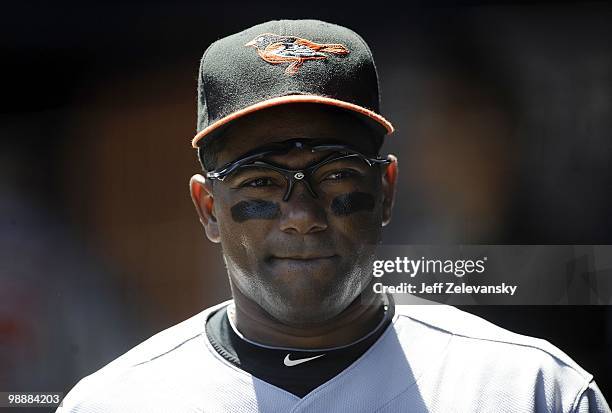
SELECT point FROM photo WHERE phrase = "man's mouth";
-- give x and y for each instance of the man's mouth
(303, 262)
(303, 257)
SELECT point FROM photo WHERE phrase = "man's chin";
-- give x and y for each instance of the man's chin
(306, 309)
(304, 318)
(297, 296)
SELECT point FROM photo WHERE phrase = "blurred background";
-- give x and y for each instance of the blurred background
(503, 113)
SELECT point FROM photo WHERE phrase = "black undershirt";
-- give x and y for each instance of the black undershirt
(268, 364)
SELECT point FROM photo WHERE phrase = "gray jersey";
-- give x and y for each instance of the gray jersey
(431, 358)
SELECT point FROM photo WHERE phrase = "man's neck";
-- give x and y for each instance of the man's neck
(356, 321)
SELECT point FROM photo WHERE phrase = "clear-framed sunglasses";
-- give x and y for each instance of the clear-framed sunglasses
(342, 159)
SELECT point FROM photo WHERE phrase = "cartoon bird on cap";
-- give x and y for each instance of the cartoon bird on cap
(277, 49)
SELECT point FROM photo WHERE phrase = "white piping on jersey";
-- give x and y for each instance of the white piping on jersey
(231, 314)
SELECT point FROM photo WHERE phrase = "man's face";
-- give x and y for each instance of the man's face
(302, 260)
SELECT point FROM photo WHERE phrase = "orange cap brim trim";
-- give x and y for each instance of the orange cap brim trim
(292, 99)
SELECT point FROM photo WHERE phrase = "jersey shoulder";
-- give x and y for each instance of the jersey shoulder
(165, 344)
(467, 327)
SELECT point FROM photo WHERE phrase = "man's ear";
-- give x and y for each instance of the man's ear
(202, 197)
(389, 187)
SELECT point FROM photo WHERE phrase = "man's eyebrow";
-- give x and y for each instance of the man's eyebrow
(318, 157)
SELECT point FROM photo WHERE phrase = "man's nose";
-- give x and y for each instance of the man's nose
(302, 214)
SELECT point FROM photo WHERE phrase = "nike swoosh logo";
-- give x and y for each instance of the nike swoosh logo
(290, 363)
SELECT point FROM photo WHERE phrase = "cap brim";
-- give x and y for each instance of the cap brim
(282, 100)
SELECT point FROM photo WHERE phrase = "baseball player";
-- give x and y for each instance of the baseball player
(296, 192)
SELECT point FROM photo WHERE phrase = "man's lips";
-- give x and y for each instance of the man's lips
(298, 259)
(303, 257)
(309, 265)
(303, 264)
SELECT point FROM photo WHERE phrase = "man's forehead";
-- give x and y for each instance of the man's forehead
(292, 153)
(304, 122)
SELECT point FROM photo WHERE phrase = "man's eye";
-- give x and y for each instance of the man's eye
(258, 182)
(340, 175)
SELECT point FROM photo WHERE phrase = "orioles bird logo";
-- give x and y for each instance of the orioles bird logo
(277, 49)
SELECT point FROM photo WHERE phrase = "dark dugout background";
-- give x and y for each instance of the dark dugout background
(503, 114)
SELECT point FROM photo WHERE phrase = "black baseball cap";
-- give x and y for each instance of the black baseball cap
(286, 61)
